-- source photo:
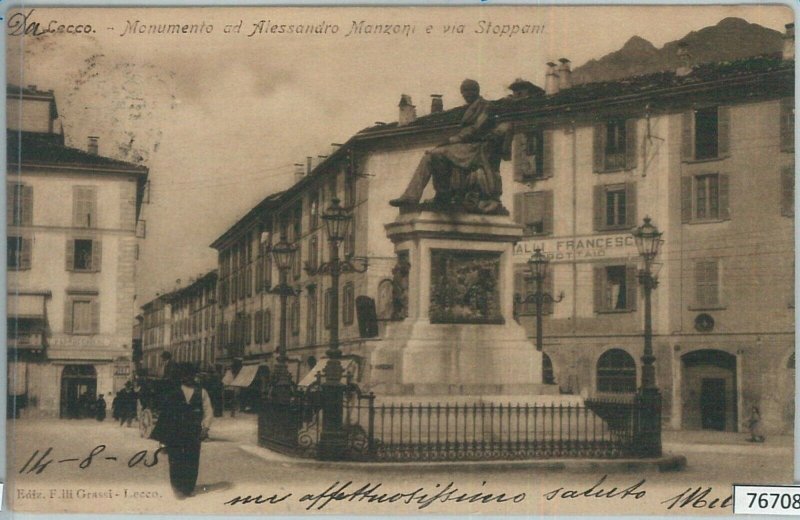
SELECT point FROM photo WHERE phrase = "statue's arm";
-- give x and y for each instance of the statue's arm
(482, 122)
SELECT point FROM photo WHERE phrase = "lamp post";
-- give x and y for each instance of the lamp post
(537, 271)
(283, 253)
(333, 439)
(648, 241)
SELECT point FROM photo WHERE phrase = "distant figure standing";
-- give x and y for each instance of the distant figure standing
(169, 365)
(186, 414)
(754, 425)
(100, 408)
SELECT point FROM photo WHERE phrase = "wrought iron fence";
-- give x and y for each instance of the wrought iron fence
(469, 431)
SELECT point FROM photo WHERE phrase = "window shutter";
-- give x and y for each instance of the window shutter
(724, 197)
(687, 136)
(599, 288)
(95, 317)
(787, 191)
(686, 200)
(27, 205)
(547, 200)
(700, 290)
(598, 207)
(549, 285)
(631, 286)
(521, 163)
(787, 124)
(267, 326)
(77, 206)
(631, 218)
(68, 316)
(547, 154)
(519, 208)
(631, 144)
(69, 257)
(259, 277)
(97, 255)
(249, 282)
(9, 204)
(25, 253)
(599, 147)
(724, 131)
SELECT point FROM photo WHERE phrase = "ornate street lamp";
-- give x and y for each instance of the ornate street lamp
(283, 252)
(333, 439)
(648, 241)
(537, 271)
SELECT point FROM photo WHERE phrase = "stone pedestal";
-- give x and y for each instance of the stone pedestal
(459, 337)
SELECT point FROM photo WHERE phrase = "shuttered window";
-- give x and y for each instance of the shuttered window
(705, 133)
(615, 145)
(19, 205)
(706, 282)
(313, 252)
(534, 210)
(267, 323)
(328, 308)
(705, 197)
(533, 155)
(348, 303)
(615, 288)
(615, 206)
(787, 191)
(82, 314)
(84, 255)
(18, 251)
(294, 317)
(787, 124)
(84, 206)
(258, 327)
(311, 317)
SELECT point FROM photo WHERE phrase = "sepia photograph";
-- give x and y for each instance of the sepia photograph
(468, 259)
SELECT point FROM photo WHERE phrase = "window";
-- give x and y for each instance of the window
(616, 372)
(348, 304)
(705, 133)
(615, 288)
(311, 317)
(19, 205)
(615, 206)
(706, 282)
(787, 124)
(83, 254)
(332, 187)
(787, 191)
(350, 187)
(350, 238)
(704, 197)
(534, 210)
(548, 377)
(328, 308)
(82, 314)
(313, 252)
(614, 146)
(84, 206)
(313, 210)
(18, 253)
(267, 323)
(297, 260)
(294, 317)
(258, 327)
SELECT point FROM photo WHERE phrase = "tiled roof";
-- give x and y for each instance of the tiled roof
(252, 215)
(47, 149)
(596, 92)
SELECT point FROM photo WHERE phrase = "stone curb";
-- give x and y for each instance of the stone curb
(667, 462)
(731, 449)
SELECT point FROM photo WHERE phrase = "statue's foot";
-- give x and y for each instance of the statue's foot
(401, 202)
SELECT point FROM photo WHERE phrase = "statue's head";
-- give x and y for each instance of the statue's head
(470, 90)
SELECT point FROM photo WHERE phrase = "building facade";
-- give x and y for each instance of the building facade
(71, 243)
(706, 151)
(156, 334)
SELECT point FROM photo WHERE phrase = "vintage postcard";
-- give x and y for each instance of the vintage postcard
(400, 260)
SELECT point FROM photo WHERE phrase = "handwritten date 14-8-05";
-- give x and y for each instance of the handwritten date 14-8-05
(40, 459)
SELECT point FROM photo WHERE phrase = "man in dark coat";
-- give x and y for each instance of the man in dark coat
(185, 417)
(100, 408)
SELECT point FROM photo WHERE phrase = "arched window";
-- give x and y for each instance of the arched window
(616, 372)
(548, 377)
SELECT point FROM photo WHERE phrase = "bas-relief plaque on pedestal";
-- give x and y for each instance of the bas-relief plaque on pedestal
(465, 287)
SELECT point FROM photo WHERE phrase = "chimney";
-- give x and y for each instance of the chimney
(309, 164)
(408, 112)
(684, 59)
(437, 105)
(551, 80)
(564, 74)
(299, 172)
(93, 146)
(788, 42)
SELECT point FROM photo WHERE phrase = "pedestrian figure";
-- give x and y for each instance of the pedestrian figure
(115, 406)
(186, 414)
(754, 425)
(100, 408)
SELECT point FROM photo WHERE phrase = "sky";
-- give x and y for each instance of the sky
(219, 118)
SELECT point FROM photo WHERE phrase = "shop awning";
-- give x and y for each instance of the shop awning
(245, 376)
(227, 379)
(26, 305)
(349, 366)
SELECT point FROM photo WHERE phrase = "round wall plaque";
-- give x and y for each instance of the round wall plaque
(704, 323)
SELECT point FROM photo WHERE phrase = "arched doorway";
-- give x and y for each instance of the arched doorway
(78, 391)
(708, 391)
